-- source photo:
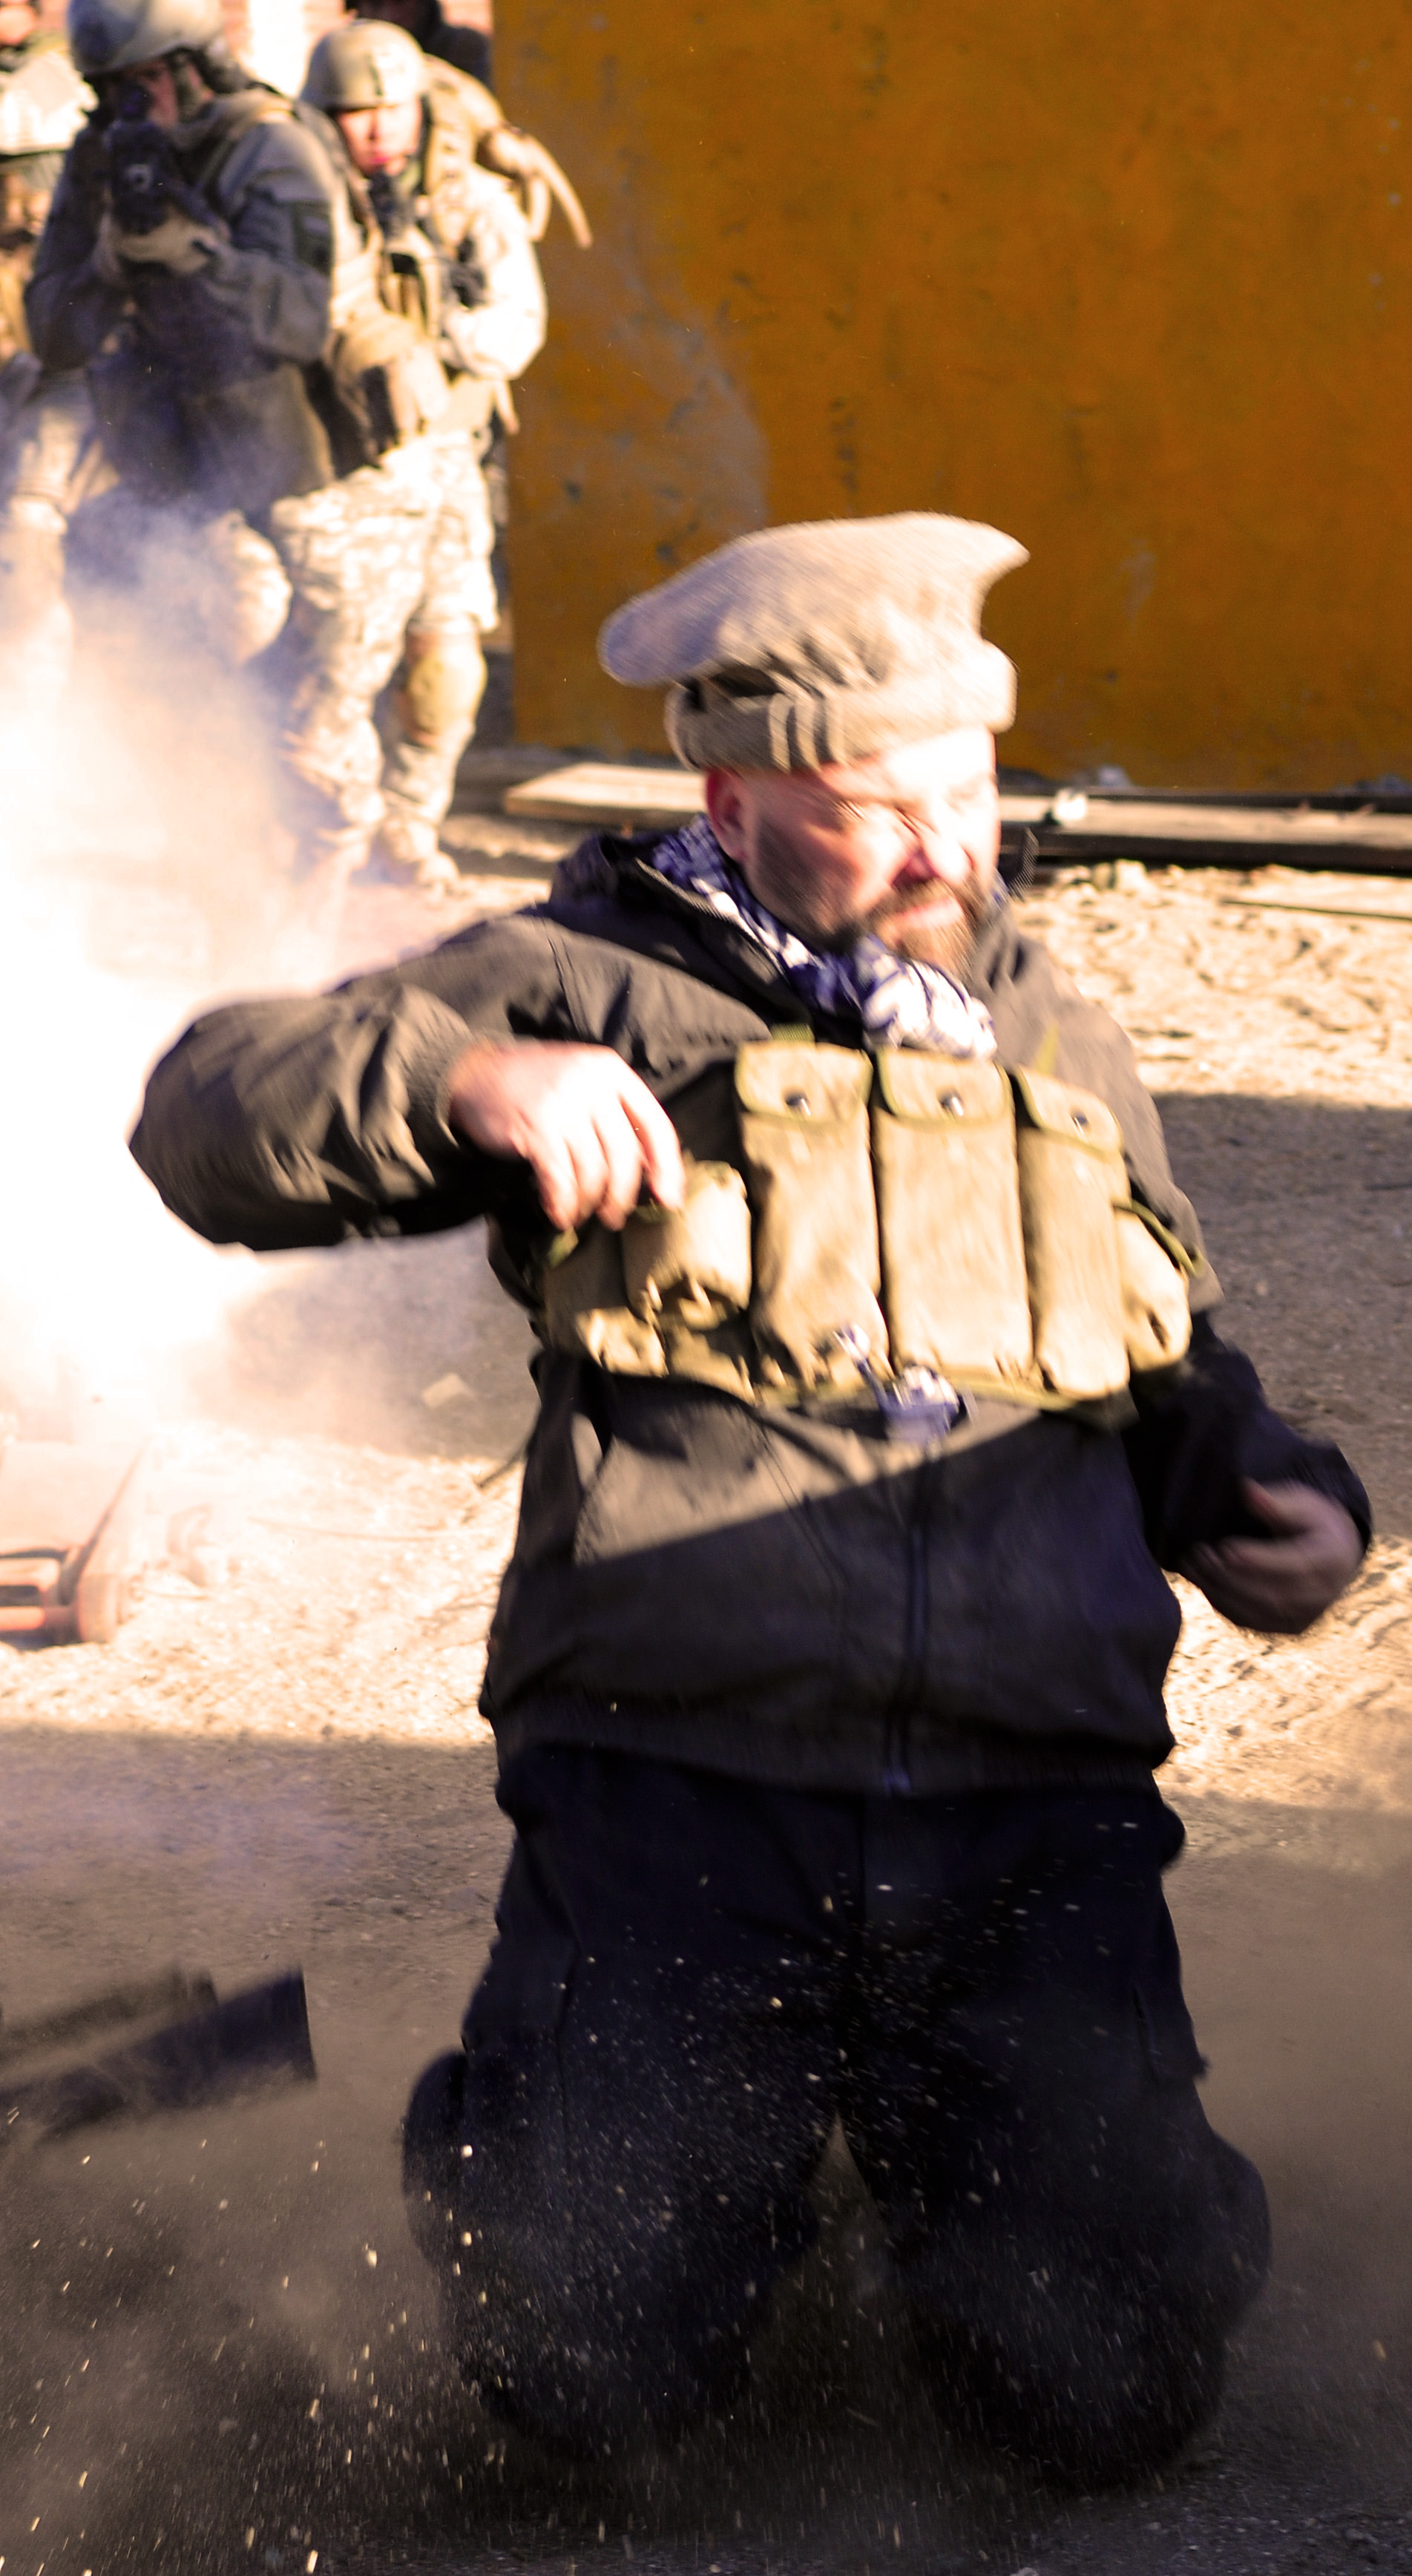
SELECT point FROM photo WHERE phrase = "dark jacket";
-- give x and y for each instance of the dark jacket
(200, 382)
(784, 1595)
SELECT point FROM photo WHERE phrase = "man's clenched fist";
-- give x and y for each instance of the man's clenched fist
(1285, 1582)
(589, 1129)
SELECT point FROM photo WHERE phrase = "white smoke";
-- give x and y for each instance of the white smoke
(137, 881)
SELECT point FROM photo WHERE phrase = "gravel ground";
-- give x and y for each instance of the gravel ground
(280, 1760)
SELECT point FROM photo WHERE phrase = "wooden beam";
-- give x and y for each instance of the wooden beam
(1072, 826)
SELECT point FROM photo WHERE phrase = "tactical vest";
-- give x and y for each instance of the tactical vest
(386, 382)
(887, 1216)
(412, 271)
(406, 277)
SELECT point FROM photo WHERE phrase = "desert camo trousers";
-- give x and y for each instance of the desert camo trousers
(391, 581)
(50, 458)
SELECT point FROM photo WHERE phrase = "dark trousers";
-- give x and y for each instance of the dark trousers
(695, 1977)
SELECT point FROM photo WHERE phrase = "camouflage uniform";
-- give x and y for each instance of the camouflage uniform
(45, 440)
(390, 570)
(390, 566)
(538, 181)
(43, 102)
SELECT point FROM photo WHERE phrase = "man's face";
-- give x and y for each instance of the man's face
(904, 845)
(382, 137)
(158, 79)
(17, 20)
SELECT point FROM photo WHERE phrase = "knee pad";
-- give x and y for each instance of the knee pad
(440, 687)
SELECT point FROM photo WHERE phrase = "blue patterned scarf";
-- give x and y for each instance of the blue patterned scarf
(899, 1004)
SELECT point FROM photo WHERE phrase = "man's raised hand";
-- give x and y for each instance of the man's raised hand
(589, 1129)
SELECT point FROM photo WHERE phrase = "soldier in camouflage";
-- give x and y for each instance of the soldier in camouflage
(43, 103)
(269, 363)
(467, 49)
(391, 564)
(44, 444)
(538, 181)
(181, 321)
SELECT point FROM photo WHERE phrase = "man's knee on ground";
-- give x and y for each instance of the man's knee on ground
(572, 2310)
(1106, 2399)
(1096, 2365)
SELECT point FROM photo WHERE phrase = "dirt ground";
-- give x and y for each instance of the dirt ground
(203, 2367)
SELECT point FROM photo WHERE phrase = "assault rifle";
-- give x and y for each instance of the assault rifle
(144, 174)
(462, 277)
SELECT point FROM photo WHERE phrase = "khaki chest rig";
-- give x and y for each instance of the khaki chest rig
(891, 1218)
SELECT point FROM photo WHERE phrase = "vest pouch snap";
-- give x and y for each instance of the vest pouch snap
(584, 1308)
(1072, 1174)
(948, 1197)
(691, 1263)
(804, 1131)
(1156, 1312)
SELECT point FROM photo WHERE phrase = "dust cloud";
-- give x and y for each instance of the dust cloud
(136, 879)
(163, 2388)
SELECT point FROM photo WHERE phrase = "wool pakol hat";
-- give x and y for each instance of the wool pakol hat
(795, 647)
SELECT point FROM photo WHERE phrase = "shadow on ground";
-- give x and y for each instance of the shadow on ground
(1308, 1216)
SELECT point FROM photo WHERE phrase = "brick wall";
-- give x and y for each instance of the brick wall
(274, 36)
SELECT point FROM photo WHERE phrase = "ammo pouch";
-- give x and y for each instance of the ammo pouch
(804, 1136)
(387, 381)
(944, 1169)
(666, 1296)
(961, 1221)
(1070, 1153)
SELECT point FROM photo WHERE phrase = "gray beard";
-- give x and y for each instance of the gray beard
(787, 884)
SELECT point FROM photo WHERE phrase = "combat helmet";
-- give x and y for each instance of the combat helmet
(111, 35)
(365, 62)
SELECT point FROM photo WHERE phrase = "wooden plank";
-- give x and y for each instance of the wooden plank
(597, 791)
(1095, 822)
(1321, 911)
(1072, 827)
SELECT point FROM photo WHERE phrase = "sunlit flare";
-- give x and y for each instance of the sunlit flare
(135, 883)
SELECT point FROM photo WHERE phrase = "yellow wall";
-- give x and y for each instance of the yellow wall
(1128, 277)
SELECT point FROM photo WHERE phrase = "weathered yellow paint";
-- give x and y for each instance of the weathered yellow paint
(1127, 277)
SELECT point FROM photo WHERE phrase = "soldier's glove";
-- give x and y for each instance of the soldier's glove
(178, 244)
(540, 184)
